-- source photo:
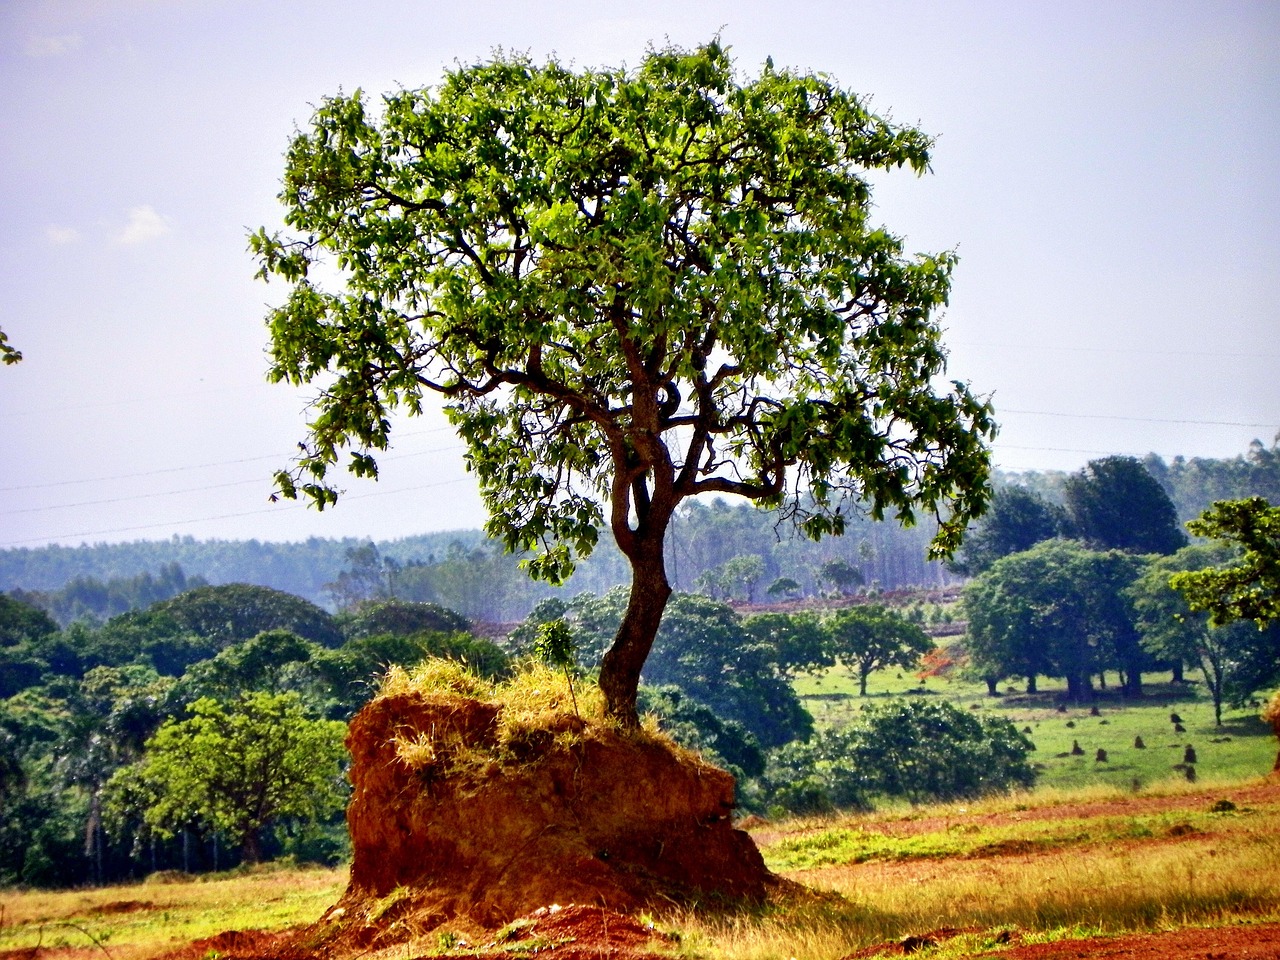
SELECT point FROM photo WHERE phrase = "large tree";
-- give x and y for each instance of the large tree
(1019, 518)
(1115, 503)
(631, 287)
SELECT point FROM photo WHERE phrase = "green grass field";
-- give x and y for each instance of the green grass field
(1242, 747)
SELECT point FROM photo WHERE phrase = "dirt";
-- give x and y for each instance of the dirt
(1260, 941)
(1258, 794)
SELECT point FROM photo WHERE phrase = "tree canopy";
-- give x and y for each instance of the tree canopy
(1248, 588)
(631, 287)
(1115, 503)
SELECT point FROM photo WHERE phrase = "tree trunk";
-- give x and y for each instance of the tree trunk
(991, 686)
(1031, 683)
(251, 851)
(622, 663)
(862, 680)
(1177, 671)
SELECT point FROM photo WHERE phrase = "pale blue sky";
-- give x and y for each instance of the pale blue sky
(1109, 173)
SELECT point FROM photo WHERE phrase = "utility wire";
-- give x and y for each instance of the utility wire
(215, 486)
(193, 466)
(228, 516)
(1107, 416)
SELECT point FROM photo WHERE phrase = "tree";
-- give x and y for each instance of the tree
(21, 622)
(234, 612)
(841, 574)
(1018, 519)
(631, 288)
(240, 766)
(917, 749)
(1171, 630)
(872, 637)
(783, 587)
(1057, 609)
(705, 649)
(1114, 503)
(1249, 588)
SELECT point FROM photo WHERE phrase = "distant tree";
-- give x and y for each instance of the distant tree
(1059, 609)
(401, 617)
(797, 641)
(368, 577)
(21, 621)
(632, 288)
(915, 749)
(1114, 503)
(234, 612)
(841, 574)
(271, 662)
(1018, 519)
(783, 587)
(1248, 588)
(871, 637)
(1171, 630)
(241, 766)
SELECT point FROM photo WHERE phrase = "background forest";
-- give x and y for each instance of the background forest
(142, 683)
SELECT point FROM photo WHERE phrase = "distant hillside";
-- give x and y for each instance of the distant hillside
(465, 571)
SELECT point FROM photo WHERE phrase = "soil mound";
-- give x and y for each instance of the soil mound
(459, 821)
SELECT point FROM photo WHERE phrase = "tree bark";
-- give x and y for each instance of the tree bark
(622, 663)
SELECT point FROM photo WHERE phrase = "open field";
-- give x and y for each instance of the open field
(1007, 873)
(1242, 747)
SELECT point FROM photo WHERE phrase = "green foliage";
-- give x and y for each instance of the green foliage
(1058, 609)
(840, 574)
(726, 743)
(783, 587)
(1018, 519)
(21, 621)
(1115, 503)
(916, 749)
(872, 637)
(234, 612)
(797, 642)
(1248, 589)
(237, 767)
(704, 649)
(1224, 653)
(554, 646)
(8, 353)
(399, 617)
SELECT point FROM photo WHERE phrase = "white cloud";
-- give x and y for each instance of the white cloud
(144, 224)
(53, 46)
(61, 236)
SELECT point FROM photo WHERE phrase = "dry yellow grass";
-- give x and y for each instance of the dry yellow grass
(137, 921)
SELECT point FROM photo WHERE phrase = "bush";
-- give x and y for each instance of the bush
(916, 749)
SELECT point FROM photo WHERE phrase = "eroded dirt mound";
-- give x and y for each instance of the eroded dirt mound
(449, 826)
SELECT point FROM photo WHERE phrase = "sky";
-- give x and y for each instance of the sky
(1109, 174)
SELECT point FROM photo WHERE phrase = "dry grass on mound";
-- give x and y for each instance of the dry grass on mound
(535, 703)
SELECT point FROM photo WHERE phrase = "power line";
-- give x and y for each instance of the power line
(1106, 416)
(194, 466)
(185, 490)
(228, 516)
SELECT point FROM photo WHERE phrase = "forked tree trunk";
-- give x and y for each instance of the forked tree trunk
(622, 663)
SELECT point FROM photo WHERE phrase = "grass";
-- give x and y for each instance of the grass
(1045, 880)
(1242, 747)
(1023, 863)
(136, 921)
